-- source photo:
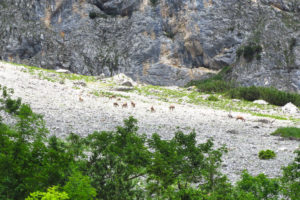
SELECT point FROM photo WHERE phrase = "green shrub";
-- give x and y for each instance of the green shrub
(93, 15)
(249, 51)
(154, 2)
(214, 84)
(79, 187)
(271, 95)
(290, 179)
(288, 132)
(212, 98)
(51, 194)
(267, 154)
(256, 188)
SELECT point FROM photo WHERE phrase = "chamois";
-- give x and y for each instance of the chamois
(240, 117)
(152, 109)
(133, 104)
(124, 105)
(172, 107)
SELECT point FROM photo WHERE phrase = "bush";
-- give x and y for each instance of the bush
(214, 84)
(212, 98)
(256, 187)
(249, 51)
(51, 194)
(290, 179)
(288, 132)
(79, 187)
(271, 95)
(93, 15)
(267, 154)
(154, 2)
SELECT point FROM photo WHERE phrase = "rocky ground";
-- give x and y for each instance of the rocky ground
(69, 106)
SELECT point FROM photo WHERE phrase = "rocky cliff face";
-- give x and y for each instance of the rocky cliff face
(163, 42)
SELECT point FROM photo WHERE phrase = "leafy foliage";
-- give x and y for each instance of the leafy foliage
(79, 187)
(256, 187)
(291, 179)
(51, 194)
(267, 154)
(118, 161)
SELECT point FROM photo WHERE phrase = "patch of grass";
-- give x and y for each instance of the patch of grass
(52, 75)
(266, 155)
(108, 94)
(288, 132)
(212, 98)
(160, 92)
(269, 116)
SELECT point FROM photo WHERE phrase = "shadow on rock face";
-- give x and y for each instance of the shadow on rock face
(25, 48)
(117, 7)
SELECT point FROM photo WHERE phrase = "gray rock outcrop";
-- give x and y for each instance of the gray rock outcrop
(162, 42)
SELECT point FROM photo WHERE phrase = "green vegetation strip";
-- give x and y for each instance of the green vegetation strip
(288, 132)
(46, 74)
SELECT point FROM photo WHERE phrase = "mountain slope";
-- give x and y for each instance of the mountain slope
(162, 42)
(83, 106)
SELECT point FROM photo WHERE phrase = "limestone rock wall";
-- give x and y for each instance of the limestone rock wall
(164, 42)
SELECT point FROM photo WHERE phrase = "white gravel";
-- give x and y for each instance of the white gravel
(65, 113)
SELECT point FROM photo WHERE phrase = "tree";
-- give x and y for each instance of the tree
(79, 187)
(51, 194)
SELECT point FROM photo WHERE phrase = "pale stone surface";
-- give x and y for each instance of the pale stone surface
(261, 102)
(290, 108)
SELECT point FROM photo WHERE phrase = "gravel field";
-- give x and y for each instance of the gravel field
(68, 109)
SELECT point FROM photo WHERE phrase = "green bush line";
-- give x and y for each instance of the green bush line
(120, 164)
(217, 84)
(288, 132)
(271, 95)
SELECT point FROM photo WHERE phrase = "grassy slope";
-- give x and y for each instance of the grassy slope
(167, 94)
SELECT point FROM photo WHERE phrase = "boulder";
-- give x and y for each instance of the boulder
(65, 71)
(290, 108)
(127, 83)
(261, 102)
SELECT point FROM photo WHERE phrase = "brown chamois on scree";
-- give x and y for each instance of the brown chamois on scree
(112, 97)
(124, 105)
(240, 117)
(172, 107)
(152, 109)
(116, 104)
(133, 104)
